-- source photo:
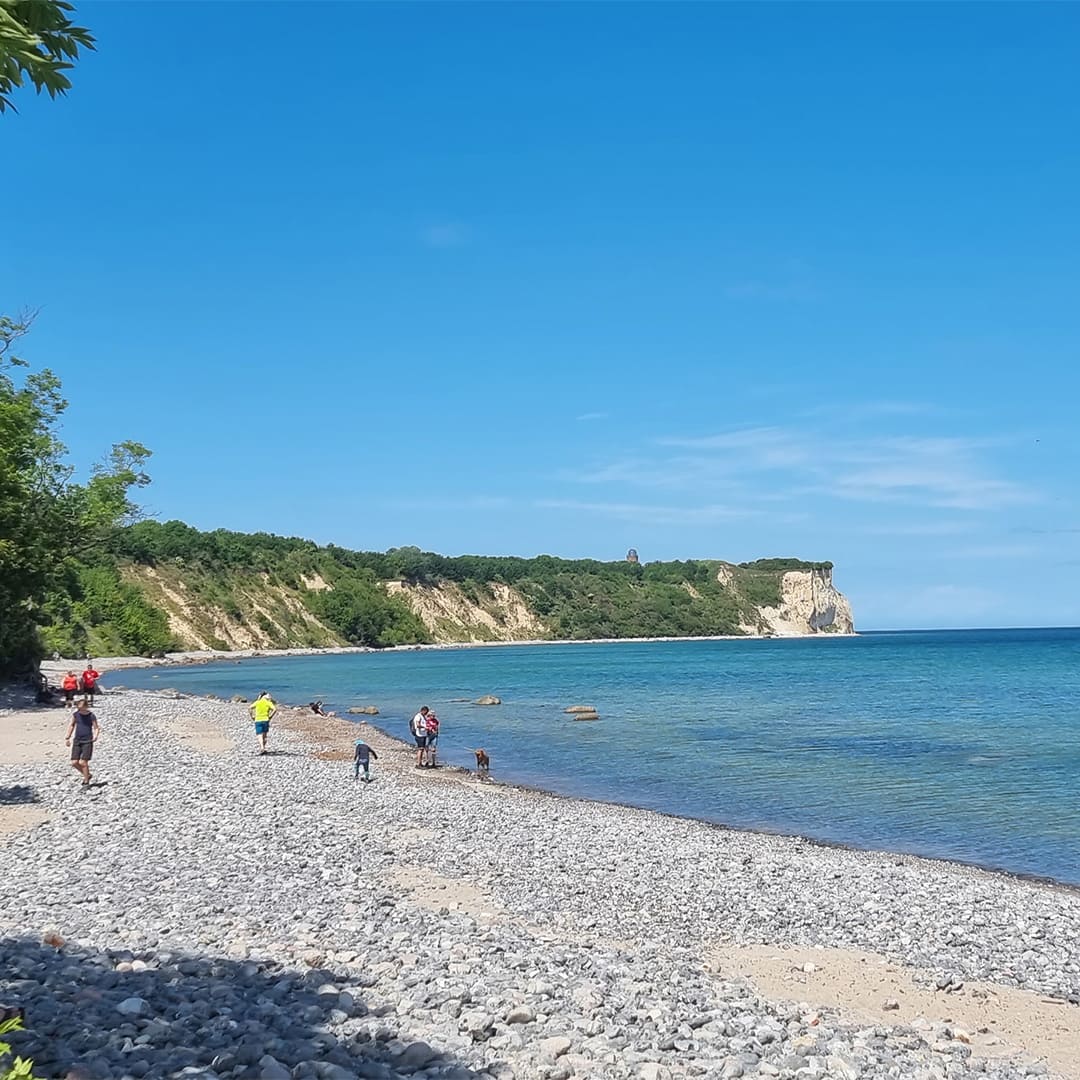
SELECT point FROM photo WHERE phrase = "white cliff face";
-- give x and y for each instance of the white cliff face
(809, 604)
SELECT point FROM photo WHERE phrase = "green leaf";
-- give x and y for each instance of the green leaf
(38, 42)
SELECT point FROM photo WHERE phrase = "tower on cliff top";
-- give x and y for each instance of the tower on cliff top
(631, 555)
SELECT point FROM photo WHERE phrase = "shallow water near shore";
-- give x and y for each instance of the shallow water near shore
(954, 744)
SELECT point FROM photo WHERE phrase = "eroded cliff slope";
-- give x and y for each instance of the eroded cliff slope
(170, 586)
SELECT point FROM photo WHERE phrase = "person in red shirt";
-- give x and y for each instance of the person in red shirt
(89, 680)
(70, 685)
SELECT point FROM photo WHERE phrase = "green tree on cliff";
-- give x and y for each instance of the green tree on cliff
(45, 517)
(38, 42)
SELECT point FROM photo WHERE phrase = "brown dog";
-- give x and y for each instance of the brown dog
(483, 763)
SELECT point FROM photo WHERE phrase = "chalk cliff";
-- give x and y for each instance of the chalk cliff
(789, 603)
(809, 604)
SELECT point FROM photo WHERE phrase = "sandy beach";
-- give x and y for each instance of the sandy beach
(219, 914)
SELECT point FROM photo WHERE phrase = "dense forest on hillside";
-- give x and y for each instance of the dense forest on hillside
(299, 593)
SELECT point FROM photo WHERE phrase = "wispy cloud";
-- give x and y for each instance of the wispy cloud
(939, 471)
(766, 447)
(919, 528)
(589, 416)
(757, 466)
(646, 514)
(446, 234)
(674, 472)
(952, 486)
(945, 472)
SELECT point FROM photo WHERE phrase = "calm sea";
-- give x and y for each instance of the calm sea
(958, 744)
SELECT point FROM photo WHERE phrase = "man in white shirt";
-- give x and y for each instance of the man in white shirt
(418, 727)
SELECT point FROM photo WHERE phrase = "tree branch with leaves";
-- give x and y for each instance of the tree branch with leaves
(38, 43)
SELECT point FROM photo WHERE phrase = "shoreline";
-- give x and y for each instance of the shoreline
(510, 931)
(360, 721)
(1046, 880)
(194, 657)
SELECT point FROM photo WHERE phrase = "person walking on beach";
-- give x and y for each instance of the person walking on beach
(432, 737)
(262, 712)
(362, 756)
(83, 732)
(89, 680)
(70, 685)
(419, 733)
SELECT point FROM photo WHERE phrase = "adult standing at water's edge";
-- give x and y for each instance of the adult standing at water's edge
(432, 737)
(90, 680)
(70, 685)
(262, 712)
(418, 726)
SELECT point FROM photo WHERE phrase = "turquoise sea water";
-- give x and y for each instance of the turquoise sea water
(957, 744)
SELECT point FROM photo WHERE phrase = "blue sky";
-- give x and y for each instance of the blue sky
(706, 280)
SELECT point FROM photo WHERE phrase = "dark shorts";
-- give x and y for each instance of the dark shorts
(69, 696)
(82, 750)
(262, 727)
(421, 740)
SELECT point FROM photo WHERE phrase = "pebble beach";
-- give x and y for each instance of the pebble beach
(206, 912)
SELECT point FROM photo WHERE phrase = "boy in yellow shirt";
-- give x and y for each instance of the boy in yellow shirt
(262, 712)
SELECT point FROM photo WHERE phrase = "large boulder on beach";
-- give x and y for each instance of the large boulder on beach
(580, 709)
(239, 699)
(364, 710)
(488, 699)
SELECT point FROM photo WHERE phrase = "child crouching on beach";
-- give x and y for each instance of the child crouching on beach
(362, 756)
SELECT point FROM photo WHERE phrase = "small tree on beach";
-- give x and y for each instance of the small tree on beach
(38, 42)
(45, 517)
